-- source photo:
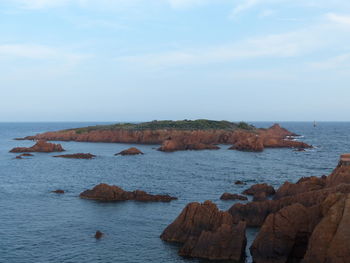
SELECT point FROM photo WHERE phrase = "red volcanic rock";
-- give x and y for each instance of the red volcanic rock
(26, 154)
(228, 196)
(130, 151)
(284, 235)
(305, 184)
(251, 143)
(40, 146)
(258, 188)
(77, 156)
(228, 242)
(18, 157)
(171, 145)
(98, 234)
(246, 140)
(207, 233)
(58, 191)
(105, 192)
(259, 196)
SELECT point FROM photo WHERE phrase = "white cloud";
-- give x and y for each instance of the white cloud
(340, 19)
(285, 45)
(245, 5)
(39, 4)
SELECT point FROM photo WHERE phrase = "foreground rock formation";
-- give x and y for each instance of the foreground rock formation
(40, 146)
(206, 232)
(76, 156)
(105, 192)
(130, 151)
(183, 135)
(228, 196)
(307, 222)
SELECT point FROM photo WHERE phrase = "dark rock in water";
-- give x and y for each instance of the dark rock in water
(259, 196)
(105, 192)
(40, 146)
(239, 182)
(77, 156)
(26, 154)
(58, 191)
(130, 151)
(228, 196)
(300, 150)
(18, 157)
(98, 234)
(258, 188)
(207, 233)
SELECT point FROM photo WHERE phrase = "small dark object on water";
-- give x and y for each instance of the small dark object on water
(130, 151)
(98, 234)
(239, 182)
(18, 157)
(26, 154)
(58, 191)
(77, 156)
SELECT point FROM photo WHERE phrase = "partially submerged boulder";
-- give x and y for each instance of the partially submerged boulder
(207, 232)
(76, 156)
(228, 196)
(58, 191)
(105, 192)
(40, 146)
(99, 234)
(130, 151)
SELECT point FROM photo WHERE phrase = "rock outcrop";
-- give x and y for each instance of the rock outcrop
(228, 196)
(108, 193)
(260, 188)
(76, 156)
(206, 232)
(98, 234)
(58, 191)
(251, 139)
(40, 146)
(130, 151)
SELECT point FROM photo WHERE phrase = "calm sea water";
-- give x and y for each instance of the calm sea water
(39, 226)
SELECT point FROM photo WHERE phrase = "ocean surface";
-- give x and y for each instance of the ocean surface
(39, 226)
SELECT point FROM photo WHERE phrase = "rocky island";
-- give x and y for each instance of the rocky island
(182, 135)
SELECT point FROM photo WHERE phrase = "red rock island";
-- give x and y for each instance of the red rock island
(181, 135)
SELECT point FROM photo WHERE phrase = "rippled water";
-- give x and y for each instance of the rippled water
(39, 226)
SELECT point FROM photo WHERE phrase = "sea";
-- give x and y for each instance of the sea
(37, 225)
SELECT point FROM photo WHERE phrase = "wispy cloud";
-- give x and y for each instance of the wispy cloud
(243, 6)
(340, 19)
(340, 61)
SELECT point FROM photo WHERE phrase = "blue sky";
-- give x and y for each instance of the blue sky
(135, 60)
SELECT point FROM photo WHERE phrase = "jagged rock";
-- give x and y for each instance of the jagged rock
(228, 196)
(252, 143)
(239, 182)
(207, 232)
(77, 156)
(182, 144)
(130, 151)
(40, 146)
(105, 192)
(258, 188)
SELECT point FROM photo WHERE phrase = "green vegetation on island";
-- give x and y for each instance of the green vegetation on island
(202, 124)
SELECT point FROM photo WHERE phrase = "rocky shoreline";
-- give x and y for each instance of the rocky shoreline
(249, 139)
(305, 222)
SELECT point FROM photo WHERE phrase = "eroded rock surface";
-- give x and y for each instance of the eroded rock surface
(40, 146)
(130, 151)
(228, 196)
(260, 188)
(207, 232)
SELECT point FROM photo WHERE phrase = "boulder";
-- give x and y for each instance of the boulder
(58, 191)
(130, 151)
(259, 196)
(105, 192)
(40, 146)
(239, 182)
(26, 155)
(228, 196)
(98, 234)
(206, 232)
(76, 156)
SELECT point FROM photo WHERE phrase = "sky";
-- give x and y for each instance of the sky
(139, 60)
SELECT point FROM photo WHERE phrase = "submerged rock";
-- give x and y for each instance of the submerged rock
(130, 151)
(228, 196)
(40, 146)
(239, 182)
(26, 154)
(105, 192)
(58, 191)
(77, 156)
(206, 232)
(98, 234)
